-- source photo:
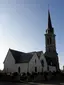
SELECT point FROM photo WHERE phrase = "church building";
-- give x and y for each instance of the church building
(21, 62)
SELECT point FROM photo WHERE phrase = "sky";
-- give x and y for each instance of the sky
(23, 24)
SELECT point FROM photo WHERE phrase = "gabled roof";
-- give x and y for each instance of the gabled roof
(38, 53)
(21, 57)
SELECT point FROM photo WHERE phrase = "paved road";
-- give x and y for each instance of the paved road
(10, 83)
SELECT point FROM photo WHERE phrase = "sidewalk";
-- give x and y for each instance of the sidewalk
(32, 83)
(47, 83)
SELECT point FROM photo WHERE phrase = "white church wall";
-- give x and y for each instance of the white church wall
(23, 67)
(32, 64)
(9, 63)
(10, 66)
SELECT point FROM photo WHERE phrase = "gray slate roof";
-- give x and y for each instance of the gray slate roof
(38, 53)
(21, 57)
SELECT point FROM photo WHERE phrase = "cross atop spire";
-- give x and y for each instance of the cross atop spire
(49, 20)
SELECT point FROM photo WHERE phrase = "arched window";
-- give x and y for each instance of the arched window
(50, 41)
(35, 69)
(47, 41)
(35, 60)
(42, 62)
(48, 68)
(18, 69)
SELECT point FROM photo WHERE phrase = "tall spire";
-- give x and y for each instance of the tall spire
(49, 20)
(49, 29)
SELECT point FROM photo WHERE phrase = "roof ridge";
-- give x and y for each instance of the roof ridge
(16, 50)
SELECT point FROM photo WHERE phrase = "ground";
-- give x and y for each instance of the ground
(10, 83)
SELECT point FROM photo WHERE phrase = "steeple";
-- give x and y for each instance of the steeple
(50, 44)
(49, 20)
(49, 28)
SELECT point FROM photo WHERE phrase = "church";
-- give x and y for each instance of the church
(21, 62)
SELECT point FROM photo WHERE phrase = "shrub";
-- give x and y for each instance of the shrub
(23, 74)
(23, 77)
(15, 74)
(28, 74)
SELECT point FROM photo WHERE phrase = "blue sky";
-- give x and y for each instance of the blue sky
(23, 24)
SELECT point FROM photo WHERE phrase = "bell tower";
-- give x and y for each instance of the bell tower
(50, 45)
